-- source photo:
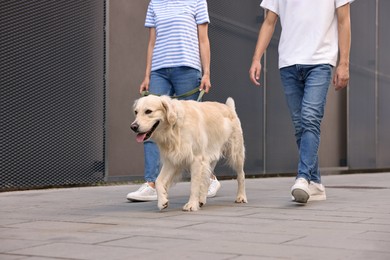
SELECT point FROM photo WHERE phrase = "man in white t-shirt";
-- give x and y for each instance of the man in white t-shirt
(313, 34)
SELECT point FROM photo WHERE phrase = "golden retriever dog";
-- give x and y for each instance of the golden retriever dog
(191, 136)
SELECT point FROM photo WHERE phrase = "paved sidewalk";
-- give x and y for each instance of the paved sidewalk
(98, 223)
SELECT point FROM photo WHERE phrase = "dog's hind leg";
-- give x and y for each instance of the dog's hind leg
(212, 167)
(163, 183)
(205, 182)
(241, 194)
(236, 159)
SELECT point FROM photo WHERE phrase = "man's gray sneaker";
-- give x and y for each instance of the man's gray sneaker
(317, 191)
(300, 190)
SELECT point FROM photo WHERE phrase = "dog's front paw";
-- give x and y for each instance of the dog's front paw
(241, 199)
(162, 204)
(191, 206)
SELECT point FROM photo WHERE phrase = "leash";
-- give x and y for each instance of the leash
(187, 94)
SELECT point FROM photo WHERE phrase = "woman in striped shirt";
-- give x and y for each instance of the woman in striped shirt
(178, 61)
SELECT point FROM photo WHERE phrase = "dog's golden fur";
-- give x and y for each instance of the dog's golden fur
(191, 136)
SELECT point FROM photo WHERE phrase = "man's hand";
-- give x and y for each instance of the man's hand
(254, 72)
(341, 76)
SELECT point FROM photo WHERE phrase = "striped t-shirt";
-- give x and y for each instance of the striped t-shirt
(176, 24)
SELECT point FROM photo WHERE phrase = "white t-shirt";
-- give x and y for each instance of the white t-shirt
(309, 30)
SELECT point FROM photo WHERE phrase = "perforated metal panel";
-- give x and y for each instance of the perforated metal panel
(52, 93)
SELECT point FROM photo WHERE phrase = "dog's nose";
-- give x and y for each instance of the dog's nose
(134, 126)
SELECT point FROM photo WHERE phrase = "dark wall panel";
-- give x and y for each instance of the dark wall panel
(383, 158)
(362, 100)
(52, 93)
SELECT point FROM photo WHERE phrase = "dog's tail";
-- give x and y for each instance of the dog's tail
(230, 103)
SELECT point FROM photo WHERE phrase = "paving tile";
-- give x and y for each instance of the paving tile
(55, 235)
(11, 257)
(374, 236)
(340, 241)
(81, 251)
(7, 245)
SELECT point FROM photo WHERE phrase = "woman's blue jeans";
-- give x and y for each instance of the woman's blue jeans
(168, 81)
(306, 88)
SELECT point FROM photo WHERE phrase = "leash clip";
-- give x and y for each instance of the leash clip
(145, 93)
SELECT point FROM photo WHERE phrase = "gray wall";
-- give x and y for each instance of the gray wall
(368, 118)
(127, 43)
(356, 124)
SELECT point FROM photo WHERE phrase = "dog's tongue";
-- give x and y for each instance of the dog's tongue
(140, 137)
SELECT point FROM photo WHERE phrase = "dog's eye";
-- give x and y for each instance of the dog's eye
(135, 112)
(148, 111)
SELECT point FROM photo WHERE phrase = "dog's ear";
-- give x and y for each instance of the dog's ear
(135, 105)
(170, 110)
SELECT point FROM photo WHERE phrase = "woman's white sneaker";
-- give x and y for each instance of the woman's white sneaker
(213, 188)
(144, 193)
(300, 190)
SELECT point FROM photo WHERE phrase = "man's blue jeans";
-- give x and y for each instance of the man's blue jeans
(168, 81)
(305, 88)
